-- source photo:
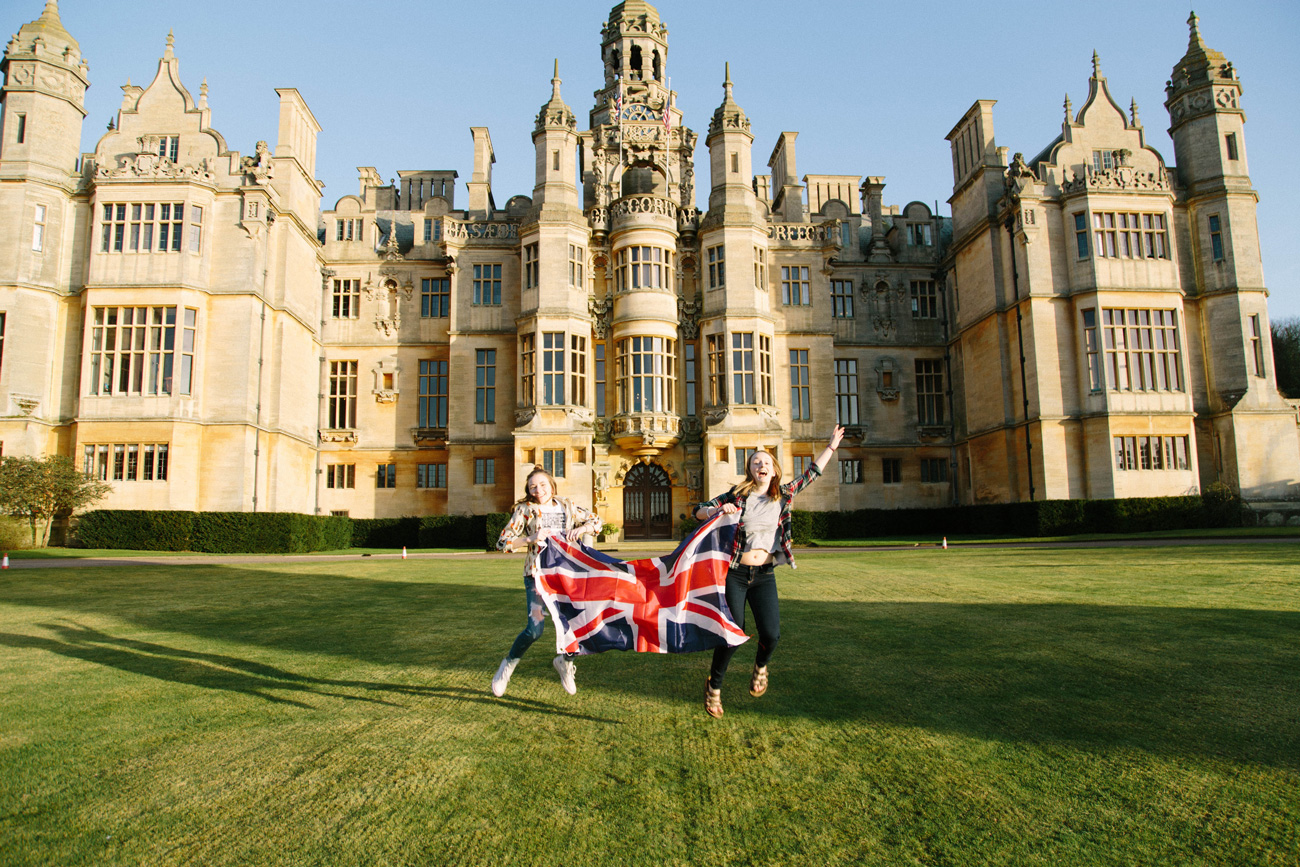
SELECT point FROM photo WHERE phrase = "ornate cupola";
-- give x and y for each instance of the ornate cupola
(730, 145)
(1206, 120)
(44, 94)
(555, 138)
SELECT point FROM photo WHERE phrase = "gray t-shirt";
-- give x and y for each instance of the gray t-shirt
(762, 515)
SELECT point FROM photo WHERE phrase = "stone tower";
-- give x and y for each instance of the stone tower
(41, 110)
(1246, 426)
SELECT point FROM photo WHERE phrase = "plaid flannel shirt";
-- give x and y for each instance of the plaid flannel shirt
(783, 533)
(523, 523)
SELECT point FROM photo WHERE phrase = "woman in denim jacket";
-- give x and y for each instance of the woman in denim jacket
(762, 541)
(537, 515)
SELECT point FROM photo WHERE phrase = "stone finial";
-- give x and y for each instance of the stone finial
(555, 81)
(169, 52)
(1096, 65)
(1133, 113)
(1068, 108)
(729, 115)
(1194, 40)
(203, 93)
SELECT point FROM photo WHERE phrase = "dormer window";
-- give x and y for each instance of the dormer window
(348, 230)
(919, 234)
(169, 147)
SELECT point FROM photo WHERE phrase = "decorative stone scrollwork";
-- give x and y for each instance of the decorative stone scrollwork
(151, 166)
(24, 404)
(887, 378)
(601, 310)
(524, 415)
(338, 436)
(386, 379)
(688, 317)
(552, 117)
(1118, 178)
(933, 431)
(714, 415)
(430, 436)
(688, 219)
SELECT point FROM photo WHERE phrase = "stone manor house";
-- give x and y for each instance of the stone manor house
(188, 324)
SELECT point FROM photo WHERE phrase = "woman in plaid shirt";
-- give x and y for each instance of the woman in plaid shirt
(762, 541)
(537, 515)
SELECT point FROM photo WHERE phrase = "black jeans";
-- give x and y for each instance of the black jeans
(757, 584)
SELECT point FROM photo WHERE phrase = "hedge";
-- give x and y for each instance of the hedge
(213, 532)
(1039, 518)
(430, 531)
(136, 530)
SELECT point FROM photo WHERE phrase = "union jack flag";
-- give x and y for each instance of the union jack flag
(671, 604)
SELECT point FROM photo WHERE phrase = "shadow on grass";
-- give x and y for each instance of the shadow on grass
(230, 673)
(1215, 683)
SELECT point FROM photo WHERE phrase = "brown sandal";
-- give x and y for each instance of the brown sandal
(758, 683)
(712, 700)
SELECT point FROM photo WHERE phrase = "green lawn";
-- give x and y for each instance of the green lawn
(961, 707)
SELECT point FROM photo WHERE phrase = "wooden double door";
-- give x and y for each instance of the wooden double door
(647, 503)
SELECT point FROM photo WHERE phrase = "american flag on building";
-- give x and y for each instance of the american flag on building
(671, 604)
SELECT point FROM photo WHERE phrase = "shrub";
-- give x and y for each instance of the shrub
(686, 526)
(15, 534)
(495, 523)
(1223, 506)
(136, 530)
(453, 531)
(386, 533)
(213, 532)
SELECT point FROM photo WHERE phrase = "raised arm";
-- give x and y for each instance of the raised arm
(825, 457)
(818, 465)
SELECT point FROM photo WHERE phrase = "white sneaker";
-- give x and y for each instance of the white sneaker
(567, 671)
(502, 677)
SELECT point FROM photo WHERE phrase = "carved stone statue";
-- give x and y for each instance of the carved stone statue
(258, 169)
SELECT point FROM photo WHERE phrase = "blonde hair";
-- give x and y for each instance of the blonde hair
(750, 485)
(527, 497)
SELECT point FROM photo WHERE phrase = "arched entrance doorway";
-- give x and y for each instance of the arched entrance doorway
(647, 503)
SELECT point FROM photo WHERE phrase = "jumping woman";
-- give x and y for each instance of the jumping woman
(537, 515)
(762, 541)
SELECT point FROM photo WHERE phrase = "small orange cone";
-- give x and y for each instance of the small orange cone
(403, 552)
(945, 543)
(6, 561)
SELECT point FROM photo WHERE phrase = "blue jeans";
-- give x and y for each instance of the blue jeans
(536, 610)
(757, 585)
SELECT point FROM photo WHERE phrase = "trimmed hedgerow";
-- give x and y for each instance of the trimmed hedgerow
(136, 530)
(1039, 518)
(385, 532)
(213, 532)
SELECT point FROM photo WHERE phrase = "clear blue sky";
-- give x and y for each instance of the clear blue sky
(872, 88)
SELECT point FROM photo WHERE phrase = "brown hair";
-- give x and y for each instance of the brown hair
(750, 485)
(527, 497)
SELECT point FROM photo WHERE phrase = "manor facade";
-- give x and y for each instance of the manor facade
(188, 324)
